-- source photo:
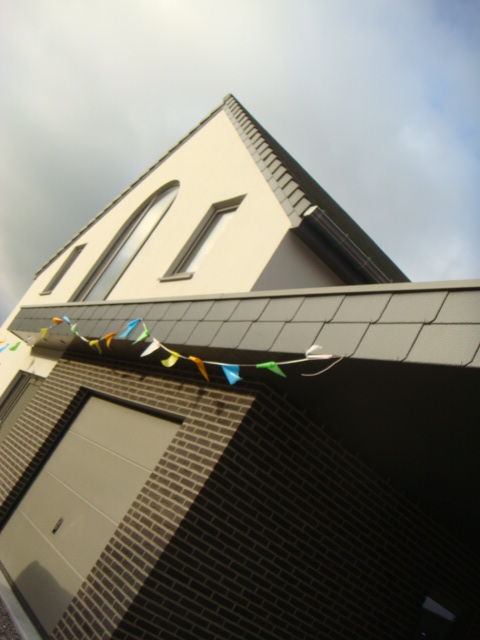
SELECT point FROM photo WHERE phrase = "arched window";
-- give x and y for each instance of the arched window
(126, 245)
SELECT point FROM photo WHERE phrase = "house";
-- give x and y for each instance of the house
(227, 414)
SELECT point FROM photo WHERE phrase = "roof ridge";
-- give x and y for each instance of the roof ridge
(297, 191)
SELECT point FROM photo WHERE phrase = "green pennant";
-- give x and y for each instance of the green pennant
(271, 366)
(143, 336)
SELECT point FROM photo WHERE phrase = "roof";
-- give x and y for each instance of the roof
(316, 218)
(404, 399)
(434, 323)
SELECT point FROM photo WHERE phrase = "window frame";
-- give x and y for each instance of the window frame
(119, 241)
(178, 270)
(13, 395)
(64, 268)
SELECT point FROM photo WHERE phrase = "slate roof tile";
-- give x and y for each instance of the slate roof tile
(460, 306)
(110, 311)
(413, 307)
(198, 310)
(362, 308)
(230, 335)
(281, 309)
(204, 333)
(161, 329)
(96, 313)
(446, 344)
(141, 310)
(176, 310)
(261, 336)
(101, 328)
(86, 329)
(476, 361)
(124, 312)
(249, 309)
(296, 337)
(387, 341)
(341, 339)
(157, 311)
(181, 331)
(222, 310)
(318, 309)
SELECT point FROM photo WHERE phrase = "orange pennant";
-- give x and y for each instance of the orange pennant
(201, 366)
(57, 320)
(108, 338)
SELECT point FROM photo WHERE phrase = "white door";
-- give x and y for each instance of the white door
(64, 521)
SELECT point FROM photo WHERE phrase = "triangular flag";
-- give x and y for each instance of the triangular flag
(153, 346)
(67, 320)
(271, 366)
(169, 362)
(4, 347)
(108, 338)
(311, 354)
(231, 372)
(73, 329)
(96, 344)
(43, 333)
(131, 326)
(201, 366)
(15, 346)
(143, 336)
(57, 320)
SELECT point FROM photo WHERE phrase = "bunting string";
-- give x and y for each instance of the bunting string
(231, 371)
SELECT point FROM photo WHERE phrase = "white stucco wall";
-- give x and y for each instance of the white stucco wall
(37, 361)
(212, 166)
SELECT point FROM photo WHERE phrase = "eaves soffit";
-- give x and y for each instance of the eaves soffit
(436, 324)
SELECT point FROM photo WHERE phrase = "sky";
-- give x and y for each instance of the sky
(377, 99)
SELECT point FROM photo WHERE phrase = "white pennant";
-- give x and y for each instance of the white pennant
(311, 355)
(153, 346)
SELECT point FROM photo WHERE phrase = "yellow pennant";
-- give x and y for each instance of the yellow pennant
(96, 344)
(43, 333)
(169, 362)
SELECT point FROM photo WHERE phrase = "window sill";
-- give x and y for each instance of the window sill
(177, 276)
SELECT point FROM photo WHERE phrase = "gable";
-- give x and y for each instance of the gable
(227, 157)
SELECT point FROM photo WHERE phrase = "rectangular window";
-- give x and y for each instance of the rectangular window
(15, 399)
(70, 259)
(202, 240)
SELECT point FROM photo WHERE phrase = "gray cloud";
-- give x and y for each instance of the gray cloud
(378, 100)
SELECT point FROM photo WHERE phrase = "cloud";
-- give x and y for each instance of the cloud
(377, 100)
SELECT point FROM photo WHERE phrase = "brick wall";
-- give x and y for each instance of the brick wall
(210, 417)
(292, 537)
(285, 535)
